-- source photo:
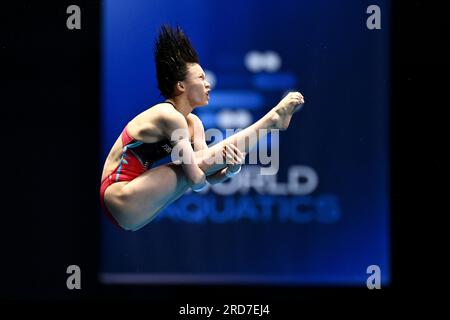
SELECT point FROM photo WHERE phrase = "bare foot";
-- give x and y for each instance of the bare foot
(281, 114)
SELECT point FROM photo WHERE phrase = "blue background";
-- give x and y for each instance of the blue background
(342, 69)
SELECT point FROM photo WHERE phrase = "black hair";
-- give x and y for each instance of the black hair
(173, 51)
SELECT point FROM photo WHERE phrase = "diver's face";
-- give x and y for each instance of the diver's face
(197, 88)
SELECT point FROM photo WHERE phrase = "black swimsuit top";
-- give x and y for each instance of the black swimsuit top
(146, 153)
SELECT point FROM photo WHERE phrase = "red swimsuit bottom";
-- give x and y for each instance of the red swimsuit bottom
(129, 167)
(137, 157)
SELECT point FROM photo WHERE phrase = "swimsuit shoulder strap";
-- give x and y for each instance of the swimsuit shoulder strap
(128, 141)
(126, 138)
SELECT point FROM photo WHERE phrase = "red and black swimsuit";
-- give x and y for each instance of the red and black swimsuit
(136, 158)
